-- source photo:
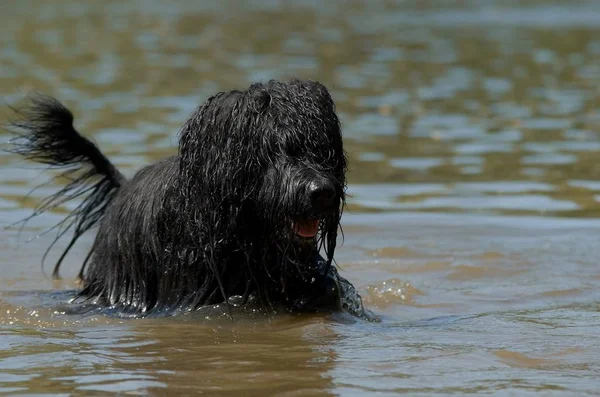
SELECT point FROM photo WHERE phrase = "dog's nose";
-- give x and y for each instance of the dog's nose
(321, 193)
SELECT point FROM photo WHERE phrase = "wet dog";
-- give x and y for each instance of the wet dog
(244, 209)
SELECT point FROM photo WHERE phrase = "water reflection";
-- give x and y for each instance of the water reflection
(83, 354)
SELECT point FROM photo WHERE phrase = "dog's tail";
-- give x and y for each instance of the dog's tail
(45, 134)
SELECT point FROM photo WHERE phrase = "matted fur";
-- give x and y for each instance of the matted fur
(216, 220)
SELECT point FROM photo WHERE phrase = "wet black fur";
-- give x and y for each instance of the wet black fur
(216, 220)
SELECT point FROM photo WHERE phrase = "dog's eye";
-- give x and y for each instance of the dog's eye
(331, 154)
(292, 149)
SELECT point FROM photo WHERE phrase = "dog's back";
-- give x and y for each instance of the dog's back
(133, 232)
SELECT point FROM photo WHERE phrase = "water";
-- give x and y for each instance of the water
(472, 227)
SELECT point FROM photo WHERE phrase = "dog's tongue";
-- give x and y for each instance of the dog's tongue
(307, 228)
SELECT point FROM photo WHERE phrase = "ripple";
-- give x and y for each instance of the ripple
(371, 156)
(504, 187)
(416, 163)
(371, 124)
(467, 160)
(392, 291)
(591, 185)
(530, 202)
(554, 158)
(393, 190)
(546, 124)
(511, 110)
(505, 136)
(392, 98)
(483, 147)
(497, 86)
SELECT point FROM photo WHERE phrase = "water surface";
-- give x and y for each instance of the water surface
(474, 183)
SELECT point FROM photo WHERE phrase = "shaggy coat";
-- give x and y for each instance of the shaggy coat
(255, 192)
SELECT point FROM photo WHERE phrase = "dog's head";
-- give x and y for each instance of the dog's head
(263, 172)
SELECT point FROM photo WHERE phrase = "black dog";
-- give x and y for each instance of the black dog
(256, 190)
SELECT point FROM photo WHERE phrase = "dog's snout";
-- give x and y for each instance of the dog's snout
(322, 195)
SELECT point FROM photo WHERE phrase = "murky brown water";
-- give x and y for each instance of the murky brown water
(473, 228)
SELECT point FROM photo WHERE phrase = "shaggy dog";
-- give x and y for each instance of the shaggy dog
(255, 192)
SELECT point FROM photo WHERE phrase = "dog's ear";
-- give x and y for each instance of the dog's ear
(261, 99)
(318, 90)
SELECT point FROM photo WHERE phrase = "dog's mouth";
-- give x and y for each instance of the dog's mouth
(306, 228)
